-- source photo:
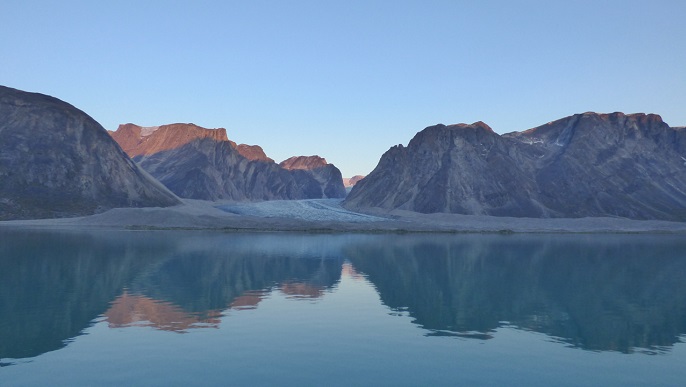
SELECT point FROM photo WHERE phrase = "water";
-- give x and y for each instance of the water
(198, 308)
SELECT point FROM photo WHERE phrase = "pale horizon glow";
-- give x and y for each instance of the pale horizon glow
(346, 81)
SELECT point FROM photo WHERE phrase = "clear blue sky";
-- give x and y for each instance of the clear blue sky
(347, 79)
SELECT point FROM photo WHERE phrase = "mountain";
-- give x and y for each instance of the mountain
(584, 165)
(304, 162)
(326, 174)
(143, 141)
(351, 181)
(200, 163)
(56, 161)
(252, 152)
(459, 168)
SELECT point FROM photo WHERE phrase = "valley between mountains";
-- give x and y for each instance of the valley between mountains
(588, 172)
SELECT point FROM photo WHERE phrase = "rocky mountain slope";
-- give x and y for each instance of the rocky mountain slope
(143, 141)
(200, 163)
(56, 161)
(252, 152)
(588, 164)
(304, 162)
(328, 176)
(351, 181)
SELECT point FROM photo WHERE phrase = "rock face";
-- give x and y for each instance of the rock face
(304, 162)
(200, 163)
(252, 152)
(328, 176)
(56, 161)
(584, 165)
(351, 181)
(144, 141)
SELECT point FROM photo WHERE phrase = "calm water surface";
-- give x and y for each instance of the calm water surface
(179, 308)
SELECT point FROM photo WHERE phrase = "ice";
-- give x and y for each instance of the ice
(308, 209)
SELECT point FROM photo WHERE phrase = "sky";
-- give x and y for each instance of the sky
(347, 80)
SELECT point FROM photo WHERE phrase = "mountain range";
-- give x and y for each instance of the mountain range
(199, 163)
(585, 165)
(56, 161)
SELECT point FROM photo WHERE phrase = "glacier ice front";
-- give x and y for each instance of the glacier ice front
(309, 209)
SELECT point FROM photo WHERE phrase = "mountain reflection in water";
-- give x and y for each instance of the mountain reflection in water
(610, 292)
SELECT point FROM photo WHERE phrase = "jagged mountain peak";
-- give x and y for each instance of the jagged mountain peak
(588, 164)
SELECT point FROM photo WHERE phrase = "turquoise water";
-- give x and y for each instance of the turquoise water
(199, 308)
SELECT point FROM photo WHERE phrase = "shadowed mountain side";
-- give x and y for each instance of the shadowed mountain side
(214, 170)
(328, 176)
(608, 164)
(56, 161)
(465, 169)
(612, 293)
(200, 163)
(585, 165)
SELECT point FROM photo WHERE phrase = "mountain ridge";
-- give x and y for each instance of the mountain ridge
(200, 163)
(589, 164)
(56, 161)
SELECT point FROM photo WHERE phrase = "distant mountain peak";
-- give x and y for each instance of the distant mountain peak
(351, 181)
(138, 140)
(475, 125)
(304, 162)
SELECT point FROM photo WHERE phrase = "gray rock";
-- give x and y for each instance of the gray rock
(328, 176)
(585, 165)
(56, 161)
(199, 163)
(349, 182)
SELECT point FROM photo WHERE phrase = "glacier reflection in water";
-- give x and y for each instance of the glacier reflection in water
(197, 307)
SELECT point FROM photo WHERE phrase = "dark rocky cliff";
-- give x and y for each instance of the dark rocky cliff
(56, 161)
(328, 176)
(584, 165)
(200, 163)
